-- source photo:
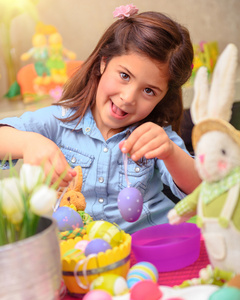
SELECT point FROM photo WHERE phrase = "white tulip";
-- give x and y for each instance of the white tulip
(43, 200)
(16, 218)
(11, 196)
(30, 177)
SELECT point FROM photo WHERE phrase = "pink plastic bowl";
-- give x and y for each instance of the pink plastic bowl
(168, 247)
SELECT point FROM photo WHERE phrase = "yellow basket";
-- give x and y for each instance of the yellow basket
(78, 275)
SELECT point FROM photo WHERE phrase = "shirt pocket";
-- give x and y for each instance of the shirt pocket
(78, 158)
(138, 175)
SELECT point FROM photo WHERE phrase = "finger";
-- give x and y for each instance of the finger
(146, 140)
(62, 183)
(58, 181)
(50, 174)
(121, 144)
(134, 138)
(72, 172)
(147, 147)
(57, 176)
(61, 167)
(160, 152)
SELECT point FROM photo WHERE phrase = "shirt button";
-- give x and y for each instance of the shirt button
(101, 179)
(73, 160)
(87, 129)
(105, 150)
(137, 169)
(100, 200)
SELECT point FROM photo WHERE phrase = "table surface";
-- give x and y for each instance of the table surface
(175, 277)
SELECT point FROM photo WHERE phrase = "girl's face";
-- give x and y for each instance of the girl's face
(130, 87)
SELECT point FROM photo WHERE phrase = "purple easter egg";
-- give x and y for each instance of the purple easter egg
(67, 218)
(97, 245)
(130, 204)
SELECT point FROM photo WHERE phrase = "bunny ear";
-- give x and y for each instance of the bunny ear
(199, 104)
(223, 84)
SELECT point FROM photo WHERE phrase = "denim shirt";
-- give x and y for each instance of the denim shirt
(103, 167)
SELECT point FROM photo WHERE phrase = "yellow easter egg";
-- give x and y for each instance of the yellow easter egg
(105, 230)
(114, 284)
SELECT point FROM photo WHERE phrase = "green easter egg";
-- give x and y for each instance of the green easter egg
(114, 284)
(74, 254)
(225, 293)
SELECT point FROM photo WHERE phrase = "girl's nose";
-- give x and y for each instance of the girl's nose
(201, 158)
(128, 96)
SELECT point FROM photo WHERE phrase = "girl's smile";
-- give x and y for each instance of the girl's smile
(130, 87)
(116, 111)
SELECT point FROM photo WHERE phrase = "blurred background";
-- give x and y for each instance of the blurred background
(81, 23)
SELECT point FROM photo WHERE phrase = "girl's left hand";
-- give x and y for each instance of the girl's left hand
(149, 140)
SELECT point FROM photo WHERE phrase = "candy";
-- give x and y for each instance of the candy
(114, 284)
(67, 218)
(105, 230)
(141, 271)
(97, 245)
(130, 204)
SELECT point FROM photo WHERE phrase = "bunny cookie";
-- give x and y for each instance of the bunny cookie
(217, 148)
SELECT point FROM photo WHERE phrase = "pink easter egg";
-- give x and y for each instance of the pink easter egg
(81, 245)
(97, 295)
(175, 298)
(130, 204)
(146, 289)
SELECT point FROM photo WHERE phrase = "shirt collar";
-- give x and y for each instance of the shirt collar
(87, 123)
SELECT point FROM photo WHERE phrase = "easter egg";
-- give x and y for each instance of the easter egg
(141, 271)
(146, 289)
(74, 254)
(67, 218)
(97, 245)
(130, 204)
(113, 284)
(81, 245)
(225, 292)
(97, 294)
(105, 230)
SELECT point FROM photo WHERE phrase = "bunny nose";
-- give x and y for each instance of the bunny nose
(201, 158)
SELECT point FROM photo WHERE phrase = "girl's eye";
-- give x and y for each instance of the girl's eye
(124, 76)
(149, 91)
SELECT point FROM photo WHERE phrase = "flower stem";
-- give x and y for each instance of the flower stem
(7, 53)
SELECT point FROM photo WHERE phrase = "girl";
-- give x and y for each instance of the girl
(126, 95)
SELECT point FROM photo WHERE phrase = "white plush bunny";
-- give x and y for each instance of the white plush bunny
(216, 201)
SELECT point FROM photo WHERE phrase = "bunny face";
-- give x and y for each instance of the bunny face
(216, 155)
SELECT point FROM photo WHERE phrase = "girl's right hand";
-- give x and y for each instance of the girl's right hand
(42, 151)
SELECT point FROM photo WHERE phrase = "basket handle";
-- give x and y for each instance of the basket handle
(85, 263)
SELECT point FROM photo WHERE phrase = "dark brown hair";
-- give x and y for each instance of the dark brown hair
(151, 34)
